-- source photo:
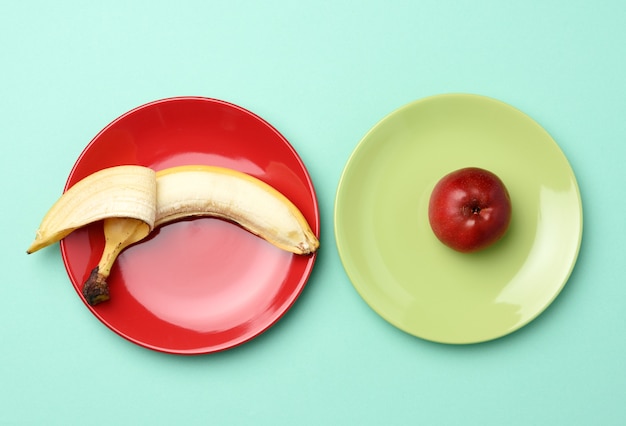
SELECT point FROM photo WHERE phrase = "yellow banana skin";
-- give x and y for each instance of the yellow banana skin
(200, 190)
(119, 233)
(120, 191)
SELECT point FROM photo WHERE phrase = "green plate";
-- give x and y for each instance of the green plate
(394, 260)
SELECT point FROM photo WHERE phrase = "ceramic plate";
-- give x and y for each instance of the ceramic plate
(201, 285)
(394, 260)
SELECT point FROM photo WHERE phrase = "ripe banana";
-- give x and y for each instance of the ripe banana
(207, 191)
(121, 191)
(133, 200)
(199, 190)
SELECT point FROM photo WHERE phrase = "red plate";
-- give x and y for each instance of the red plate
(201, 285)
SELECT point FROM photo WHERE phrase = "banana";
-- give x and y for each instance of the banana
(133, 200)
(120, 191)
(199, 190)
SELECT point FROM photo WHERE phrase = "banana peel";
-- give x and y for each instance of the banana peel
(120, 191)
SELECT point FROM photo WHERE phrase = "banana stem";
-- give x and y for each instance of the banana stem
(96, 288)
(119, 233)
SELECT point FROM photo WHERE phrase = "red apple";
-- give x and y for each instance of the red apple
(469, 209)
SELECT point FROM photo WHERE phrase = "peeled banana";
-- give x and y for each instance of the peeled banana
(133, 200)
(199, 190)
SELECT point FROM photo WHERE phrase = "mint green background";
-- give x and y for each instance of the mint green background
(323, 73)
